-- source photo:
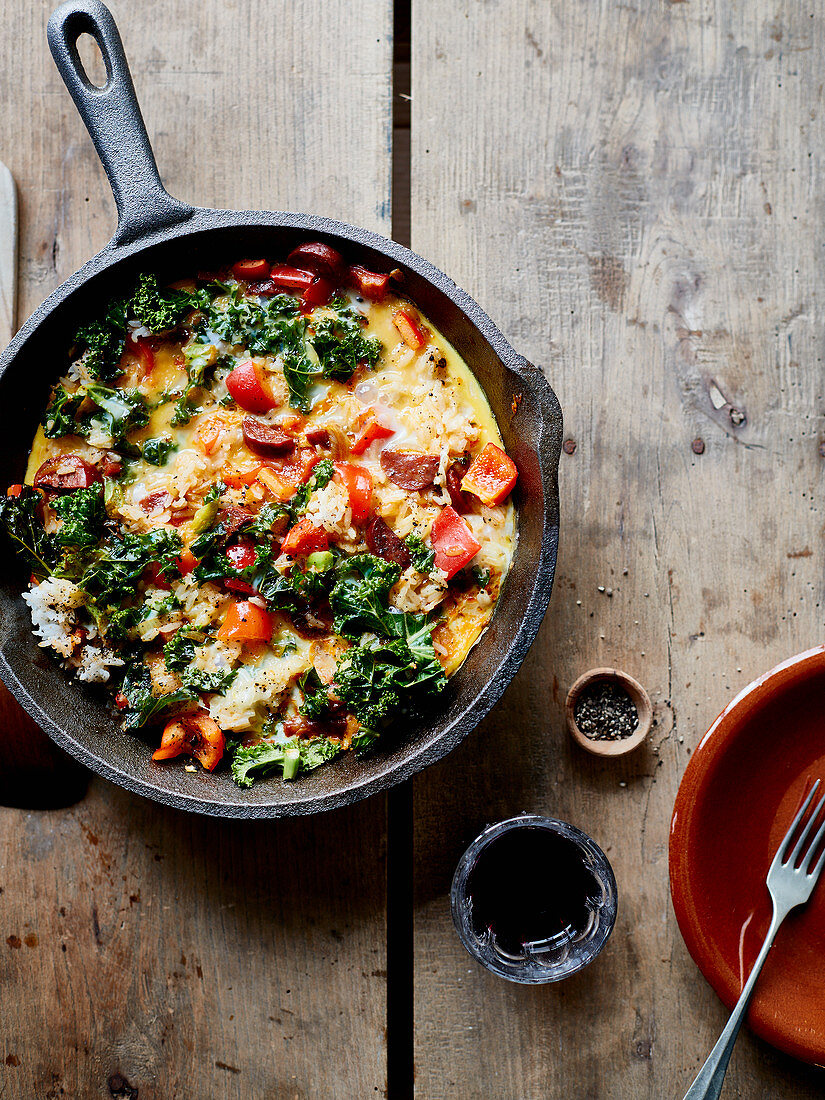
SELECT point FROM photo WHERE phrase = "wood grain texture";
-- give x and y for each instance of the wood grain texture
(144, 952)
(635, 193)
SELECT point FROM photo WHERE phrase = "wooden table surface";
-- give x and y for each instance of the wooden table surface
(635, 193)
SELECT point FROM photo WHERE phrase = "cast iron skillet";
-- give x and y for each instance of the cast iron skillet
(158, 233)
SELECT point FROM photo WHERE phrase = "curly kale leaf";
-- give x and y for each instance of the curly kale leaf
(179, 651)
(121, 621)
(315, 581)
(184, 411)
(160, 308)
(60, 417)
(332, 348)
(213, 683)
(261, 528)
(119, 410)
(83, 514)
(101, 342)
(262, 327)
(322, 475)
(199, 358)
(289, 756)
(341, 346)
(157, 451)
(421, 555)
(20, 518)
(214, 492)
(277, 589)
(376, 679)
(359, 598)
(144, 707)
(301, 368)
(111, 579)
(316, 697)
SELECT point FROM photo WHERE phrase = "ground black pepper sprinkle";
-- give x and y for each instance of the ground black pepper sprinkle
(605, 712)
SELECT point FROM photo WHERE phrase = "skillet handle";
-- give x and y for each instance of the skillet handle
(112, 117)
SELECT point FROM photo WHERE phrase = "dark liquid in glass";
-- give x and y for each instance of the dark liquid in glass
(530, 884)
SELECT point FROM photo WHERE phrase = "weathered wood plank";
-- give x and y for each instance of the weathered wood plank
(635, 192)
(197, 958)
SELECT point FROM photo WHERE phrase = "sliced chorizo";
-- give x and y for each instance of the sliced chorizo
(318, 437)
(384, 543)
(266, 439)
(111, 465)
(409, 469)
(333, 726)
(66, 473)
(330, 438)
(232, 519)
(318, 257)
(156, 502)
(461, 501)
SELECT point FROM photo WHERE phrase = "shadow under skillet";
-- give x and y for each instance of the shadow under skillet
(34, 773)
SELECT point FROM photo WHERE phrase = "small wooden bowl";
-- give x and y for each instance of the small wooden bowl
(636, 692)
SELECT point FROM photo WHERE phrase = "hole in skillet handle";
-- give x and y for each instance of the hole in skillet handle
(92, 64)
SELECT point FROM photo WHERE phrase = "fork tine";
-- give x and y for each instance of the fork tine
(806, 832)
(809, 855)
(783, 847)
(815, 873)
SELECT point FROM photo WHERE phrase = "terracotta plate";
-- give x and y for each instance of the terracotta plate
(738, 795)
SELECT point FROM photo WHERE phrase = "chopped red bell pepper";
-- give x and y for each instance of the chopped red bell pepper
(283, 476)
(187, 562)
(491, 475)
(453, 542)
(246, 622)
(237, 584)
(14, 490)
(245, 388)
(236, 479)
(413, 334)
(304, 538)
(358, 483)
(195, 735)
(250, 269)
(368, 428)
(319, 292)
(155, 577)
(369, 283)
(121, 702)
(291, 278)
(242, 556)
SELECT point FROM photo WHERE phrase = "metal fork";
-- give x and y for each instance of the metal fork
(789, 886)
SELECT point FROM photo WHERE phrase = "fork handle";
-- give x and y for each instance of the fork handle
(709, 1080)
